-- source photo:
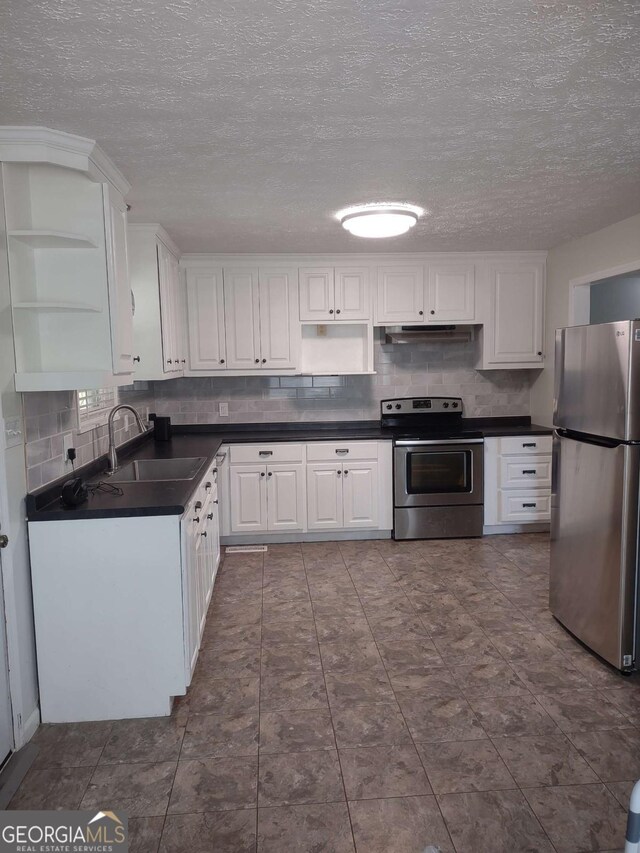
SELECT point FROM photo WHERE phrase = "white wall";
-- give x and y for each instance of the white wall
(605, 249)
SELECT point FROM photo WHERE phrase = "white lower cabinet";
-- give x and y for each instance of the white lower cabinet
(360, 494)
(135, 590)
(342, 495)
(324, 496)
(267, 497)
(517, 481)
(293, 488)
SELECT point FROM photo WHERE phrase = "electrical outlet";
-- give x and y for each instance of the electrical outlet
(223, 410)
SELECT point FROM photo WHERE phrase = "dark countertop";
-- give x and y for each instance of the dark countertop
(171, 498)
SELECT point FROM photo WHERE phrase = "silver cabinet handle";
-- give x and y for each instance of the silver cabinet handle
(342, 450)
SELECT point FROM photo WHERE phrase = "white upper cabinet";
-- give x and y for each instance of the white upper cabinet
(279, 329)
(66, 232)
(120, 301)
(158, 321)
(242, 318)
(205, 319)
(340, 293)
(400, 295)
(513, 328)
(353, 294)
(317, 294)
(452, 291)
(440, 292)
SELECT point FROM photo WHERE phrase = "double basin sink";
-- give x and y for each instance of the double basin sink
(158, 470)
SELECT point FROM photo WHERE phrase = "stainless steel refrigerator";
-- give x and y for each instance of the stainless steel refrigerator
(596, 475)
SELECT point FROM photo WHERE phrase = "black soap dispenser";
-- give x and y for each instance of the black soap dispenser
(161, 427)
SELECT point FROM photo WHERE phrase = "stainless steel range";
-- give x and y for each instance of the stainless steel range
(438, 469)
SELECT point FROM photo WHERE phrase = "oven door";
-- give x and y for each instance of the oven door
(437, 473)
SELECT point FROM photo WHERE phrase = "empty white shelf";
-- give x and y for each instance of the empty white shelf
(58, 306)
(46, 239)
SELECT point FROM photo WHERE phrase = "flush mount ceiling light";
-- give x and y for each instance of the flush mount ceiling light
(388, 219)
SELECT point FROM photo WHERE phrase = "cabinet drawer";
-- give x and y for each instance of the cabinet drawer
(521, 444)
(522, 472)
(524, 506)
(325, 452)
(247, 454)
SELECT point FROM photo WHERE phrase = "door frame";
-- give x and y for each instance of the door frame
(579, 290)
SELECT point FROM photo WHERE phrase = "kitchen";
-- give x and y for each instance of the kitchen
(312, 608)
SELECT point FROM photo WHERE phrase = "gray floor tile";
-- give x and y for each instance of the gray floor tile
(222, 832)
(214, 784)
(544, 760)
(370, 725)
(579, 817)
(305, 829)
(296, 731)
(141, 790)
(220, 735)
(293, 691)
(145, 740)
(399, 825)
(614, 754)
(300, 777)
(71, 744)
(493, 822)
(376, 772)
(462, 766)
(145, 834)
(52, 788)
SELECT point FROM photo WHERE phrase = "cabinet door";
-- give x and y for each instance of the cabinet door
(279, 327)
(317, 294)
(168, 327)
(400, 295)
(177, 303)
(120, 298)
(516, 313)
(205, 319)
(451, 293)
(285, 497)
(242, 318)
(324, 496)
(360, 489)
(190, 594)
(248, 498)
(353, 299)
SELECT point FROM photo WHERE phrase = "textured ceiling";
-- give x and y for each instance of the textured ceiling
(244, 124)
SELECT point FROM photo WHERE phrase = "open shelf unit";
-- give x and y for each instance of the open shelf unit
(332, 349)
(56, 246)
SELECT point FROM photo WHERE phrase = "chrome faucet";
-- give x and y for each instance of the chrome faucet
(113, 455)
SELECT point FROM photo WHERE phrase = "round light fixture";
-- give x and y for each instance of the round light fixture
(387, 219)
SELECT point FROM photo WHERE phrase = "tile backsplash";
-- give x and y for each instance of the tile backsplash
(50, 415)
(401, 371)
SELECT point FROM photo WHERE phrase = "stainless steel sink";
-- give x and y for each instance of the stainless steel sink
(158, 470)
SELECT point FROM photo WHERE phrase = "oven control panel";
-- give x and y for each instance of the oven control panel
(421, 406)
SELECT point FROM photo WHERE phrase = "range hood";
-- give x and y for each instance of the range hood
(428, 334)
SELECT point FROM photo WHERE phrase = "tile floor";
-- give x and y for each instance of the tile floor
(372, 696)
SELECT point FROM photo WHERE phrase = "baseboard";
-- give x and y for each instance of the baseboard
(283, 538)
(540, 527)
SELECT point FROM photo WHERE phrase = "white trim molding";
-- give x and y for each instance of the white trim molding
(579, 290)
(45, 145)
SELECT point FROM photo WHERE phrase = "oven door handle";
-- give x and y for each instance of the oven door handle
(410, 443)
